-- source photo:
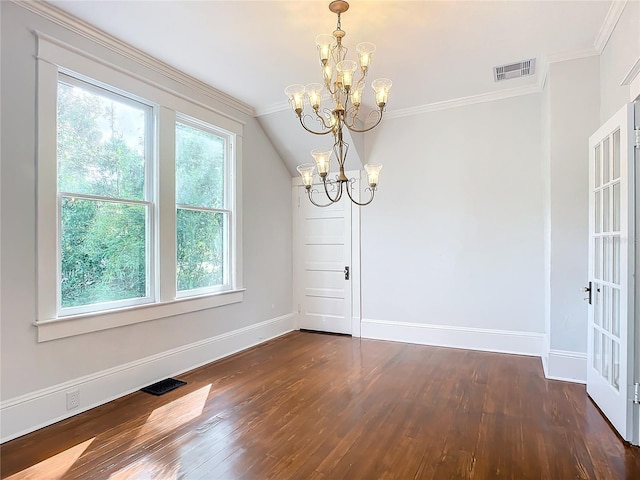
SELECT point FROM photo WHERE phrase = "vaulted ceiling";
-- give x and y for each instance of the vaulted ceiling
(436, 52)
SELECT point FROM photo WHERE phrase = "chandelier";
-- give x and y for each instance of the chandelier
(345, 95)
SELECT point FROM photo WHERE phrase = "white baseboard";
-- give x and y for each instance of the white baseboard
(566, 366)
(24, 414)
(502, 341)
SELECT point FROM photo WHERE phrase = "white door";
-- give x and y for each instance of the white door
(611, 270)
(324, 248)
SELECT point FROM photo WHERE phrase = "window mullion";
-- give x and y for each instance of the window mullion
(166, 205)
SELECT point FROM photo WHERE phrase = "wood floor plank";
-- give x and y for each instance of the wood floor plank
(313, 406)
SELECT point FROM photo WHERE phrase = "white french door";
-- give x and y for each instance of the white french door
(611, 342)
(324, 275)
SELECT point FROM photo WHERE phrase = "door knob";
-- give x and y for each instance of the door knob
(346, 273)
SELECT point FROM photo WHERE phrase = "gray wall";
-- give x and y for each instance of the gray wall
(573, 117)
(456, 234)
(28, 365)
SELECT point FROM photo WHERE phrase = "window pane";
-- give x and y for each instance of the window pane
(606, 210)
(598, 167)
(597, 359)
(606, 167)
(616, 260)
(200, 159)
(201, 249)
(607, 256)
(103, 252)
(615, 374)
(597, 258)
(606, 356)
(616, 207)
(597, 213)
(606, 308)
(616, 154)
(101, 144)
(615, 313)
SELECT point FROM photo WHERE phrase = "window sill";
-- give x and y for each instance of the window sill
(93, 322)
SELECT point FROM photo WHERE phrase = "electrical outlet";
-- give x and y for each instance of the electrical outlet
(73, 399)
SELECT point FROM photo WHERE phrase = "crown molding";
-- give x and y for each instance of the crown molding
(110, 42)
(460, 102)
(631, 74)
(574, 55)
(609, 24)
(273, 108)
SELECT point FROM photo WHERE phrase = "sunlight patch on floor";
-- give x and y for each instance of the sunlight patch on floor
(172, 415)
(53, 468)
(145, 469)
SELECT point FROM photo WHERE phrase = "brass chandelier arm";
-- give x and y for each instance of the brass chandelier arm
(302, 117)
(310, 195)
(336, 183)
(338, 193)
(373, 192)
(355, 130)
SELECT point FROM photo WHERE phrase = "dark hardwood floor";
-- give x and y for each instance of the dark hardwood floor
(312, 406)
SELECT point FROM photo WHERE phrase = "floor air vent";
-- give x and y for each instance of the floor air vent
(163, 386)
(514, 70)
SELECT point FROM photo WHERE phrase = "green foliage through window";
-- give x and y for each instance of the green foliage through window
(201, 215)
(103, 252)
(200, 249)
(101, 153)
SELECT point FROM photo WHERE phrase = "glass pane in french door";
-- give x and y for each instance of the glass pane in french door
(606, 256)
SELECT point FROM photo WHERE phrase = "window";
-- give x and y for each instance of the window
(137, 212)
(202, 208)
(104, 232)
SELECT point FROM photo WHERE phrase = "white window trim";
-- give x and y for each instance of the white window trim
(55, 57)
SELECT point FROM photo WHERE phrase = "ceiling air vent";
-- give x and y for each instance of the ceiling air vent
(514, 70)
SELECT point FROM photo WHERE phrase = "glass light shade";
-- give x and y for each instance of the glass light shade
(365, 51)
(306, 172)
(381, 86)
(322, 157)
(324, 42)
(314, 93)
(356, 96)
(296, 96)
(373, 173)
(327, 72)
(346, 68)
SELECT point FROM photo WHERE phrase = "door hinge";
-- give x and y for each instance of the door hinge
(637, 141)
(636, 393)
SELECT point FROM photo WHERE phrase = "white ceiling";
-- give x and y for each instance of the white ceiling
(433, 51)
